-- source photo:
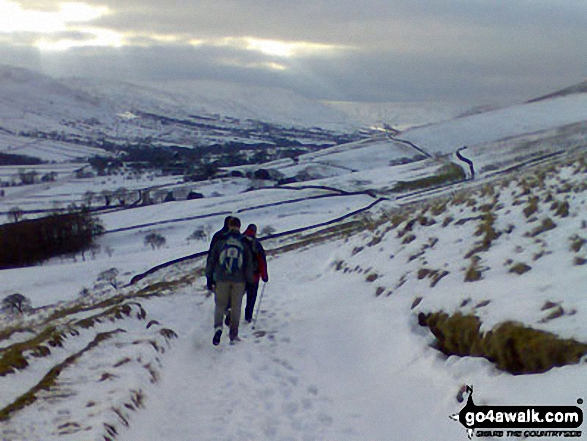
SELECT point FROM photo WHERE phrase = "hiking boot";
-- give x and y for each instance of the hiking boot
(233, 334)
(227, 319)
(216, 339)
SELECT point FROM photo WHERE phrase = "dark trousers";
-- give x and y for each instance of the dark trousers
(251, 289)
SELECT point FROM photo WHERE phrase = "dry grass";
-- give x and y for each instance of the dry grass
(577, 243)
(532, 206)
(51, 377)
(520, 268)
(511, 346)
(473, 274)
(547, 224)
(434, 275)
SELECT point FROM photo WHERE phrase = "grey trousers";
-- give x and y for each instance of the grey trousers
(225, 291)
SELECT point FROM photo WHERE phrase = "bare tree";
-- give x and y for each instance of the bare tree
(107, 195)
(15, 214)
(121, 194)
(89, 197)
(199, 234)
(109, 276)
(16, 302)
(155, 240)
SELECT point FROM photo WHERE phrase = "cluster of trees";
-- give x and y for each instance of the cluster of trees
(29, 177)
(197, 163)
(12, 159)
(33, 241)
(59, 136)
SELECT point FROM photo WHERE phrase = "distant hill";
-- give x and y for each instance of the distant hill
(37, 110)
(577, 88)
(31, 99)
(400, 115)
(543, 114)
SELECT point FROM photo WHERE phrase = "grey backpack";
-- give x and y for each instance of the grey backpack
(232, 255)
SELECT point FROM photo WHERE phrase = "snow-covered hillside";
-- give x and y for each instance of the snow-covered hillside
(73, 119)
(30, 101)
(486, 127)
(370, 241)
(400, 116)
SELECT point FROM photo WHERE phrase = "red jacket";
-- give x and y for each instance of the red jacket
(260, 273)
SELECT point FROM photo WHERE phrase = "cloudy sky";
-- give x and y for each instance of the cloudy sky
(478, 51)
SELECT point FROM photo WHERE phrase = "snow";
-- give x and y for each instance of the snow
(321, 372)
(401, 115)
(328, 359)
(337, 352)
(446, 137)
(46, 150)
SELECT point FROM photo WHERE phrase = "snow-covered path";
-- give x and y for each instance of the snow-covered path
(320, 365)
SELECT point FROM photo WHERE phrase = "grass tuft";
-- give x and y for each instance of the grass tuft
(532, 206)
(520, 268)
(546, 225)
(435, 275)
(473, 272)
(511, 346)
(577, 243)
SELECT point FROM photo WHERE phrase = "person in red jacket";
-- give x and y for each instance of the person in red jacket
(259, 270)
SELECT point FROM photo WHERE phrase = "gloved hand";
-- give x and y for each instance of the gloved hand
(266, 279)
(210, 284)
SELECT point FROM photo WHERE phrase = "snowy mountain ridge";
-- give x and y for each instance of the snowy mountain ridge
(73, 99)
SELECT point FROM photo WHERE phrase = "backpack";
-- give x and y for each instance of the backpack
(232, 255)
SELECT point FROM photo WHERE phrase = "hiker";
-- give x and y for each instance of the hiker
(219, 233)
(259, 270)
(229, 267)
(215, 237)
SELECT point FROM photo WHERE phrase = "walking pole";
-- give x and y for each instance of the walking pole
(259, 305)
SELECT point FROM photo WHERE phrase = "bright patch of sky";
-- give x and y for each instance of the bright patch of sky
(14, 18)
(282, 48)
(54, 27)
(70, 17)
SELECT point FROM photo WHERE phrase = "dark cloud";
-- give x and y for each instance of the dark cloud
(361, 76)
(474, 50)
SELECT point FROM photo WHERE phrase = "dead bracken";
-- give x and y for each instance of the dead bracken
(511, 346)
